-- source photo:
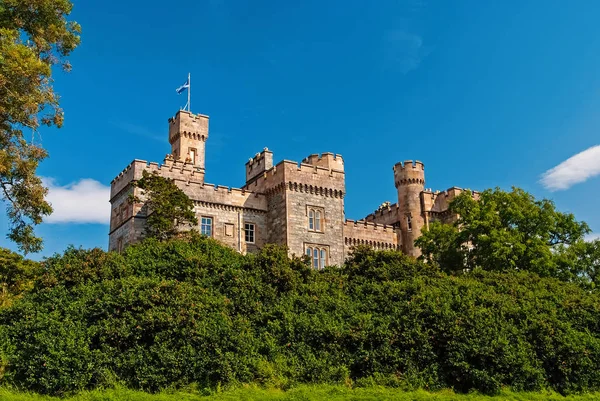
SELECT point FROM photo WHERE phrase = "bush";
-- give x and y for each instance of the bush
(178, 313)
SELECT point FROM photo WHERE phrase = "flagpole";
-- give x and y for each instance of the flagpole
(189, 92)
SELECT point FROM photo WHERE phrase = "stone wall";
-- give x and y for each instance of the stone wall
(229, 223)
(388, 215)
(376, 236)
(331, 234)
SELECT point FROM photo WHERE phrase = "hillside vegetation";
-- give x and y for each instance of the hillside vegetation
(166, 315)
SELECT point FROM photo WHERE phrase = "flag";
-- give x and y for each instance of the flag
(183, 87)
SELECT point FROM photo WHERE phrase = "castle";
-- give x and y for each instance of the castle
(297, 205)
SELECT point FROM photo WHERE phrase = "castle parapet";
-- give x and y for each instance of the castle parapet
(290, 172)
(440, 200)
(409, 172)
(327, 160)
(258, 164)
(173, 169)
(387, 215)
(375, 235)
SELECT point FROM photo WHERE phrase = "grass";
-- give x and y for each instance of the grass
(301, 393)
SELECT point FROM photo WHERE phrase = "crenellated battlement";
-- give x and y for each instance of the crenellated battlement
(187, 125)
(409, 164)
(374, 235)
(258, 164)
(384, 215)
(188, 179)
(409, 172)
(287, 171)
(366, 225)
(174, 169)
(328, 160)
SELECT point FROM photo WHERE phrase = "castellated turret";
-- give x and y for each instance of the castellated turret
(258, 164)
(409, 178)
(187, 135)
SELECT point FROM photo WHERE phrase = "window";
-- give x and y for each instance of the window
(317, 255)
(206, 225)
(315, 218)
(409, 223)
(249, 232)
(193, 156)
(318, 220)
(323, 260)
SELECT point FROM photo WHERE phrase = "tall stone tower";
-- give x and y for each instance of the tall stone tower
(409, 178)
(187, 135)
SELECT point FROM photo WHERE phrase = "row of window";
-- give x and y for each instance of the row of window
(206, 228)
(317, 256)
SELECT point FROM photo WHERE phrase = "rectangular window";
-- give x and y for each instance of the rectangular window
(316, 258)
(311, 219)
(193, 156)
(323, 261)
(206, 225)
(249, 232)
(408, 223)
(317, 220)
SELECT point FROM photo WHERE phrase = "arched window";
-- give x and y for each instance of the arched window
(316, 258)
(323, 260)
(316, 215)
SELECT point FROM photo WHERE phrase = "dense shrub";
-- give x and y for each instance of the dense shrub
(168, 314)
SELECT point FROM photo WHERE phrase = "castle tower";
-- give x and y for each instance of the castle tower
(409, 178)
(187, 135)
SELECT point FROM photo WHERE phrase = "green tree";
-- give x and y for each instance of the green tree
(505, 231)
(34, 36)
(16, 275)
(169, 208)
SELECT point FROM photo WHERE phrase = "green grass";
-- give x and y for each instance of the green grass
(301, 393)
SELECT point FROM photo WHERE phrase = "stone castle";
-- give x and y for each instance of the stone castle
(300, 205)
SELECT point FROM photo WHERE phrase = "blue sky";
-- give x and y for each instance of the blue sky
(485, 93)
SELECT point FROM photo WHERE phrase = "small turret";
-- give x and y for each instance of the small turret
(409, 178)
(258, 164)
(187, 135)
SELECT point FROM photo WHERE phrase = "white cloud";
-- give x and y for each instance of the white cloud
(85, 201)
(574, 170)
(592, 237)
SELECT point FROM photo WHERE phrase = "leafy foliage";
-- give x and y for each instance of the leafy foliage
(16, 275)
(169, 208)
(504, 231)
(34, 36)
(181, 313)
